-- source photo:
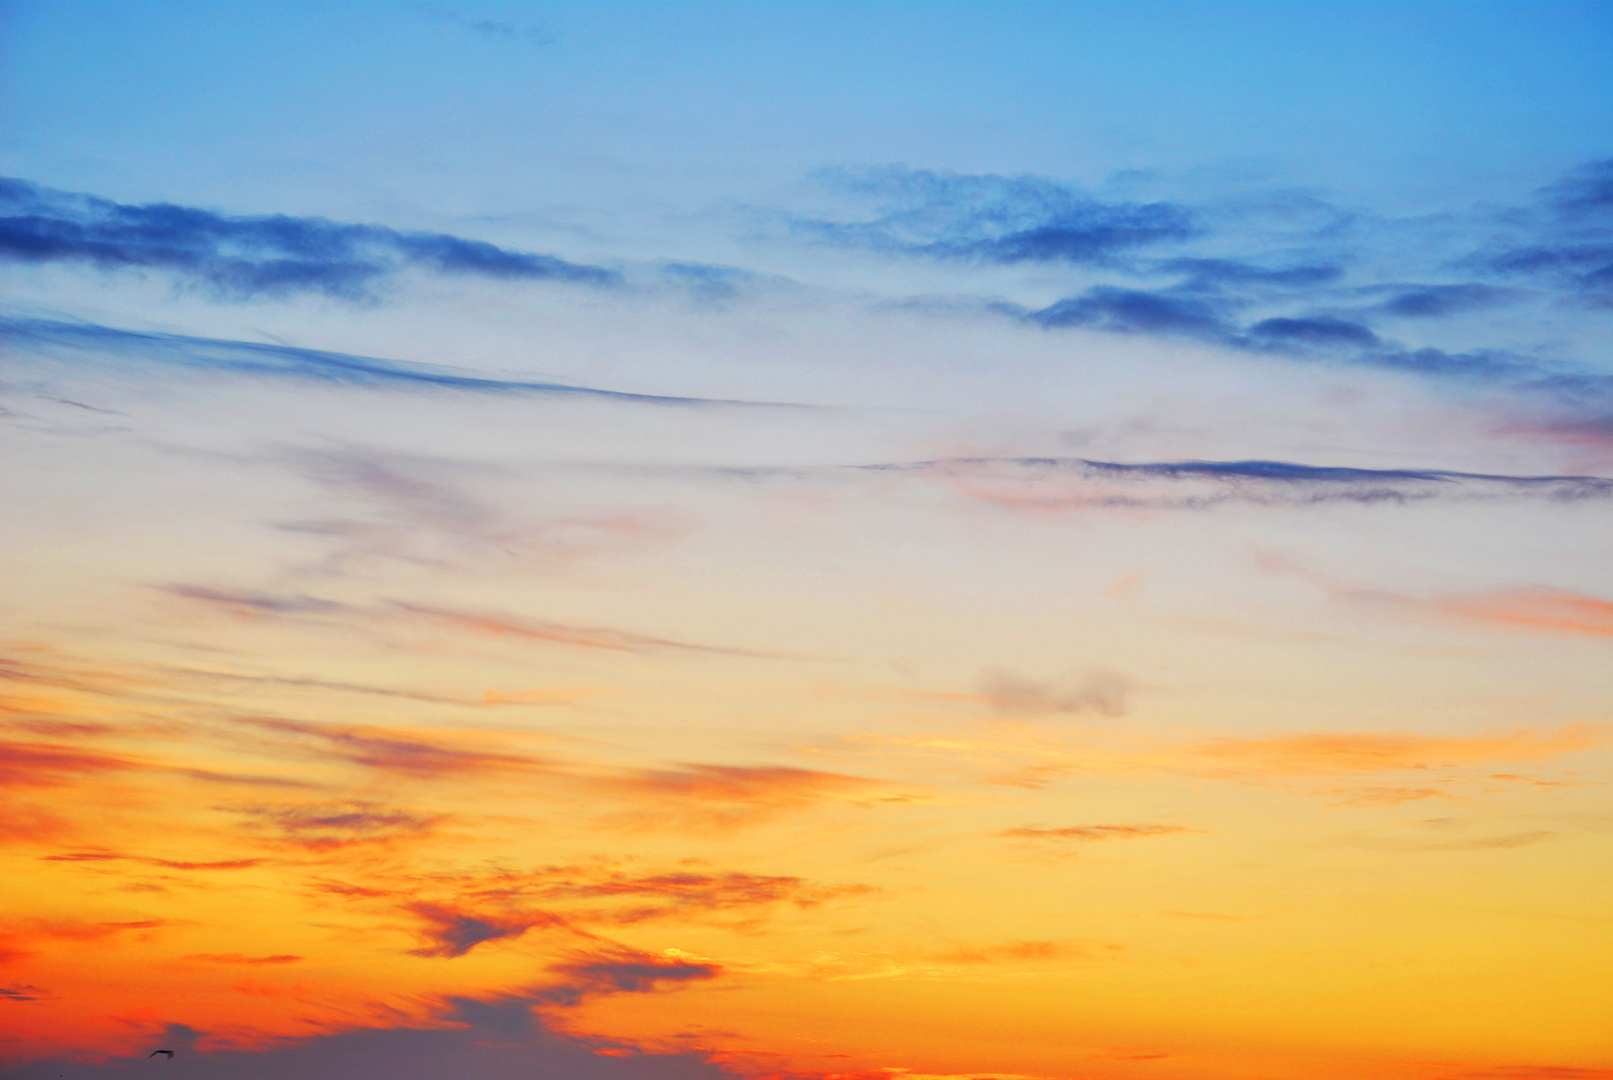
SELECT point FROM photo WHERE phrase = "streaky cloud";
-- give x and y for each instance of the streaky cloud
(1052, 483)
(306, 365)
(1437, 301)
(251, 257)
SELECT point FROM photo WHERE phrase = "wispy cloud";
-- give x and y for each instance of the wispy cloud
(1018, 952)
(1322, 753)
(492, 29)
(1053, 484)
(251, 257)
(94, 342)
(991, 219)
(1554, 610)
(1572, 242)
(332, 826)
(486, 623)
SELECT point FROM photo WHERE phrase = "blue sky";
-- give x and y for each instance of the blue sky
(437, 109)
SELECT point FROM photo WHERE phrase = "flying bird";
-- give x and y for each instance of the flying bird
(154, 1053)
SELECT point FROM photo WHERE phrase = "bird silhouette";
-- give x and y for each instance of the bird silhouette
(154, 1053)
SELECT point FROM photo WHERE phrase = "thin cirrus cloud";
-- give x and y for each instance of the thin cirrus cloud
(1323, 753)
(482, 623)
(1050, 484)
(94, 343)
(251, 257)
(1562, 611)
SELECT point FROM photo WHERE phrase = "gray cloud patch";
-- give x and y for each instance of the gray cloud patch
(991, 219)
(252, 257)
(1101, 691)
(500, 1037)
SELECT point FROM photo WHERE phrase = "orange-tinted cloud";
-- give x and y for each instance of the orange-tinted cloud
(170, 864)
(333, 825)
(25, 937)
(51, 765)
(1018, 951)
(1366, 752)
(734, 794)
(1534, 608)
(410, 753)
(1537, 1072)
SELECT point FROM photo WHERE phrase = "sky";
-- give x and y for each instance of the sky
(806, 542)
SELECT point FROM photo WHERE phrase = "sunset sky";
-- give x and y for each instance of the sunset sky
(813, 542)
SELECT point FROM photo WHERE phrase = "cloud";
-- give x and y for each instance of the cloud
(991, 219)
(333, 825)
(47, 765)
(729, 795)
(1490, 843)
(1103, 692)
(1370, 752)
(493, 29)
(167, 864)
(1597, 431)
(254, 257)
(407, 753)
(1130, 311)
(1059, 484)
(97, 344)
(450, 932)
(22, 992)
(491, 624)
(1586, 193)
(1093, 832)
(1438, 301)
(21, 938)
(621, 970)
(564, 634)
(1207, 275)
(1536, 1072)
(1535, 608)
(1017, 952)
(464, 1037)
(253, 602)
(1316, 330)
(1571, 241)
(683, 893)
